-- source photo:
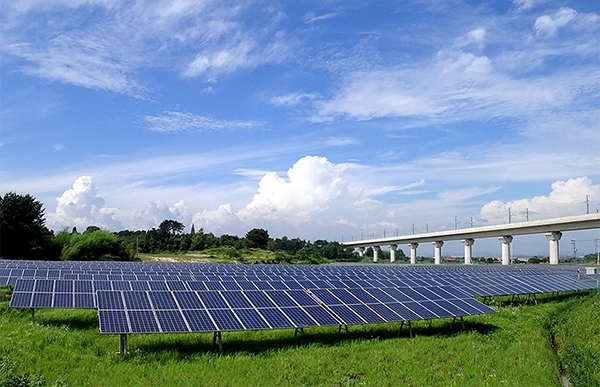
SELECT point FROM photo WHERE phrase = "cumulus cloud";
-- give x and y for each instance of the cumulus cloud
(172, 122)
(565, 198)
(548, 25)
(79, 206)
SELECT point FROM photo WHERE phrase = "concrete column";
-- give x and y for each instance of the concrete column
(553, 238)
(468, 249)
(393, 252)
(375, 253)
(413, 252)
(438, 251)
(505, 240)
(361, 251)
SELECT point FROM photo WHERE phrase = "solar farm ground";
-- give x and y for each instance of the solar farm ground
(520, 345)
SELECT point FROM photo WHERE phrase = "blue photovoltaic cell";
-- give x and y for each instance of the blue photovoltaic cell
(263, 285)
(199, 321)
(188, 300)
(197, 286)
(299, 317)
(139, 285)
(451, 308)
(103, 285)
(236, 300)
(21, 300)
(345, 296)
(44, 286)
(294, 285)
(231, 285)
(366, 313)
(83, 287)
(380, 295)
(251, 319)
(109, 300)
(429, 295)
(420, 310)
(362, 295)
(386, 313)
(347, 315)
(247, 285)
(171, 321)
(435, 308)
(142, 321)
(281, 298)
(413, 294)
(403, 311)
(214, 285)
(63, 300)
(176, 285)
(158, 286)
(41, 300)
(276, 318)
(63, 286)
(136, 300)
(278, 285)
(84, 300)
(478, 305)
(121, 285)
(162, 300)
(326, 297)
(225, 320)
(213, 300)
(259, 299)
(113, 321)
(24, 285)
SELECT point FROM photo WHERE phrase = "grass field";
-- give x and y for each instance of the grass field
(517, 346)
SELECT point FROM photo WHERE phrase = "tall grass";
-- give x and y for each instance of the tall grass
(510, 348)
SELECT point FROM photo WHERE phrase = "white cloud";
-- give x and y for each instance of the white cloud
(311, 17)
(79, 206)
(172, 122)
(341, 141)
(548, 25)
(527, 4)
(293, 99)
(564, 199)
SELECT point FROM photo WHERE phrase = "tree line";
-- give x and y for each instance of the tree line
(24, 235)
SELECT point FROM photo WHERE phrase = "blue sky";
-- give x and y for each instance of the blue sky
(326, 119)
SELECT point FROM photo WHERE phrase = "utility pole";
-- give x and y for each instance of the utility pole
(587, 204)
(509, 216)
(574, 248)
(471, 221)
(456, 222)
(413, 229)
(426, 227)
(527, 213)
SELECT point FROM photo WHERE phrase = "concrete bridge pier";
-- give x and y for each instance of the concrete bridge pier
(438, 251)
(553, 238)
(505, 240)
(468, 249)
(375, 253)
(393, 252)
(361, 251)
(413, 252)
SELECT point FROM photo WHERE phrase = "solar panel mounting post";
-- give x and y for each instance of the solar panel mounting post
(123, 350)
(298, 330)
(461, 320)
(409, 328)
(32, 316)
(217, 339)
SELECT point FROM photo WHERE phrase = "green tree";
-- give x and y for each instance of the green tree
(23, 233)
(257, 238)
(93, 246)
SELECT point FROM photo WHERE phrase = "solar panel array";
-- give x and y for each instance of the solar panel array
(147, 297)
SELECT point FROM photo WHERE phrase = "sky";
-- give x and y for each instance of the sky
(335, 120)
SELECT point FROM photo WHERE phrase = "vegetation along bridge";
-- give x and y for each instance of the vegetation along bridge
(552, 228)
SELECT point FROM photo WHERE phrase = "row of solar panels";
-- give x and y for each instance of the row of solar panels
(207, 311)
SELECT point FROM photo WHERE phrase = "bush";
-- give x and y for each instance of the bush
(93, 246)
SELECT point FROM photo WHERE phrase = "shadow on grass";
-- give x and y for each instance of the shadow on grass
(240, 343)
(534, 299)
(83, 323)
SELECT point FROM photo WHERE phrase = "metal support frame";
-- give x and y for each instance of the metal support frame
(531, 297)
(410, 332)
(461, 320)
(217, 340)
(298, 330)
(32, 316)
(344, 327)
(123, 350)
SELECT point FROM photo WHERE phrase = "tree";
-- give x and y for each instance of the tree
(23, 234)
(93, 246)
(257, 238)
(171, 227)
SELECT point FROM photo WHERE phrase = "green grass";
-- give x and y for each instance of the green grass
(514, 347)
